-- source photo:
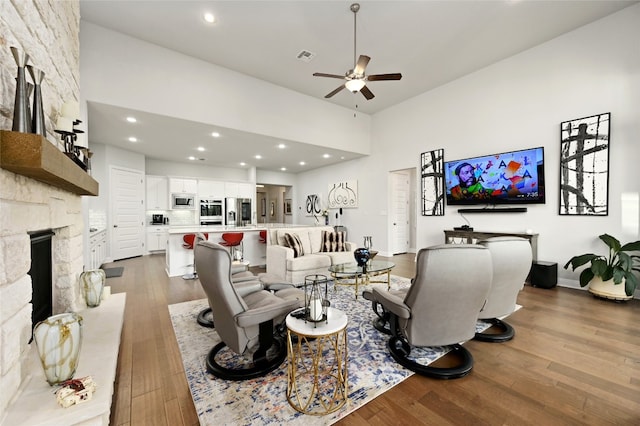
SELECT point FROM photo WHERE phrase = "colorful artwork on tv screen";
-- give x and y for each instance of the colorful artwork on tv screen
(515, 177)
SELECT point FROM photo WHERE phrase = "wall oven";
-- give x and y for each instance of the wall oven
(210, 212)
(183, 201)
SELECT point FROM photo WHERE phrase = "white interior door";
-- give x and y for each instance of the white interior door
(400, 191)
(127, 213)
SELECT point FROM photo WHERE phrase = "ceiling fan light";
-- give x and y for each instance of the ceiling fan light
(354, 85)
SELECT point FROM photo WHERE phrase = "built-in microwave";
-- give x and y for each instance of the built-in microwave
(183, 201)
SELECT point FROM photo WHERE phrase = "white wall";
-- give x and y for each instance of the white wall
(516, 103)
(149, 78)
(168, 168)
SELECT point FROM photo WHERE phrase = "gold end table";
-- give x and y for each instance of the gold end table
(317, 377)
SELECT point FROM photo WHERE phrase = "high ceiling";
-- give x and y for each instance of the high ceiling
(430, 42)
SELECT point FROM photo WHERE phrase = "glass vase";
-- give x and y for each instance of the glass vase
(92, 283)
(58, 340)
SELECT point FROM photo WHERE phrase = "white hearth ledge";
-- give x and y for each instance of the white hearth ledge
(35, 403)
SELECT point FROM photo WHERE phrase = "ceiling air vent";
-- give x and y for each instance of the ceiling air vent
(306, 56)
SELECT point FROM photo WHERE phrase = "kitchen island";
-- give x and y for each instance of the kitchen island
(179, 259)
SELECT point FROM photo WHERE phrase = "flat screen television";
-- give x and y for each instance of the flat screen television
(514, 177)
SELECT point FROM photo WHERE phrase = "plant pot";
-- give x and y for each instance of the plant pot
(607, 289)
(58, 339)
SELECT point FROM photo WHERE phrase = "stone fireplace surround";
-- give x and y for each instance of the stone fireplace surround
(27, 205)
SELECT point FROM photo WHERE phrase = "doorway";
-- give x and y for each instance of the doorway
(127, 213)
(402, 217)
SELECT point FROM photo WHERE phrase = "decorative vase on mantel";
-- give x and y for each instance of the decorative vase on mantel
(92, 283)
(58, 340)
(21, 116)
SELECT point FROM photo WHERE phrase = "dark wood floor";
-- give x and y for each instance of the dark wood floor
(575, 360)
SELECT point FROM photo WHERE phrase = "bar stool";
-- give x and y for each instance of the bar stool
(262, 237)
(188, 242)
(233, 240)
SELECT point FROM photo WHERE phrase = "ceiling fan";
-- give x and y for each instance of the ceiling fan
(356, 79)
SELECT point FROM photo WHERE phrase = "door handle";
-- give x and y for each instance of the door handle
(115, 226)
(394, 224)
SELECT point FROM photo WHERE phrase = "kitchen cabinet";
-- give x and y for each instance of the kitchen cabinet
(211, 190)
(157, 193)
(97, 249)
(157, 238)
(181, 185)
(239, 190)
(246, 190)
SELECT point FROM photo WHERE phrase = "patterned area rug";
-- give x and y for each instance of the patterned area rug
(263, 401)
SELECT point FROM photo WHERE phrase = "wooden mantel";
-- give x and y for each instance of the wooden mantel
(34, 156)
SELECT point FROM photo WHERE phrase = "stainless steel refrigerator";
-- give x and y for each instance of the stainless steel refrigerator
(238, 211)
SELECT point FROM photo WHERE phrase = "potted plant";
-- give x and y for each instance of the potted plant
(610, 276)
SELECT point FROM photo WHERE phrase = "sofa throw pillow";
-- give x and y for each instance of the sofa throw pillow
(333, 241)
(293, 241)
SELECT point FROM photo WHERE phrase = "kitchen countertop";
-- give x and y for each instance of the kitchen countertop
(186, 229)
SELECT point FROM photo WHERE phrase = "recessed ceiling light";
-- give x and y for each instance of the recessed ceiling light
(192, 158)
(282, 146)
(342, 158)
(243, 163)
(133, 139)
(284, 169)
(209, 17)
(302, 163)
(200, 148)
(326, 156)
(131, 119)
(257, 157)
(215, 134)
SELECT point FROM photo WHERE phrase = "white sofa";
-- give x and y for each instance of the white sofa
(282, 265)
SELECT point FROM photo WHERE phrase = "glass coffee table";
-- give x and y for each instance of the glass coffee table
(354, 275)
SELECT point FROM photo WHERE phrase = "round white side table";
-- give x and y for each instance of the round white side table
(317, 363)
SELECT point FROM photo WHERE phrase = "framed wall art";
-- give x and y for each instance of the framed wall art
(432, 179)
(584, 166)
(343, 194)
(313, 206)
(287, 206)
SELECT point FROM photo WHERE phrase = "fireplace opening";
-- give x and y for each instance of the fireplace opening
(41, 276)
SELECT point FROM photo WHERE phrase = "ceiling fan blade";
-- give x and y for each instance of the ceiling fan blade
(363, 60)
(334, 92)
(377, 77)
(367, 93)
(321, 74)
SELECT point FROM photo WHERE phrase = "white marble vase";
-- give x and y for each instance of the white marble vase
(92, 285)
(58, 339)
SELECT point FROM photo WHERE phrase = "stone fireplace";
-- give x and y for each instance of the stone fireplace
(49, 32)
(27, 205)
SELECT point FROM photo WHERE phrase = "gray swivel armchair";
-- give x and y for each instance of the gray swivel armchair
(249, 325)
(245, 282)
(511, 260)
(440, 308)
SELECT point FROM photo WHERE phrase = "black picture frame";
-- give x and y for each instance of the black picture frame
(584, 166)
(287, 206)
(432, 182)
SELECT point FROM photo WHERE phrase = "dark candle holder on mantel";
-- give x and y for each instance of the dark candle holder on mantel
(77, 153)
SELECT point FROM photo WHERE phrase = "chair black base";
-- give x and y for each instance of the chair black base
(205, 318)
(269, 356)
(505, 334)
(382, 322)
(400, 350)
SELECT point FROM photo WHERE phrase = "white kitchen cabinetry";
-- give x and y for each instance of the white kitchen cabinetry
(211, 190)
(239, 190)
(157, 193)
(157, 237)
(97, 249)
(246, 190)
(185, 186)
